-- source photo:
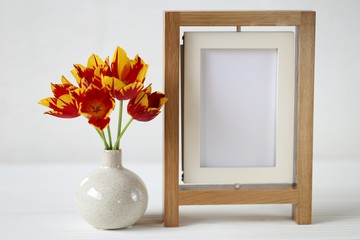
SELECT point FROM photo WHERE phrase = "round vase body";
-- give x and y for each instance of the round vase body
(112, 197)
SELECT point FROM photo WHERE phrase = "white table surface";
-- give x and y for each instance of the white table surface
(37, 202)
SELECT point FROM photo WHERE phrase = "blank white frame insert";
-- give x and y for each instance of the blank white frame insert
(231, 88)
(239, 92)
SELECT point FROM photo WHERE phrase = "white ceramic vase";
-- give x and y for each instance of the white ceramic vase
(112, 197)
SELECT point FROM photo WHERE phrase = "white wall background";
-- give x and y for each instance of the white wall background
(40, 40)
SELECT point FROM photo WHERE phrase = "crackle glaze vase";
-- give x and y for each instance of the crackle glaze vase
(112, 197)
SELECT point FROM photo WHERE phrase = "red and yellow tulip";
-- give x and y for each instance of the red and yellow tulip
(96, 105)
(100, 83)
(64, 104)
(146, 105)
(127, 76)
(92, 73)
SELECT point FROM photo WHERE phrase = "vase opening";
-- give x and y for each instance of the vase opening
(112, 159)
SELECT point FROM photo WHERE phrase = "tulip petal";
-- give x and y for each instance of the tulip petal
(79, 74)
(129, 91)
(96, 105)
(60, 114)
(146, 105)
(99, 123)
(138, 70)
(113, 84)
(46, 102)
(92, 73)
(61, 108)
(120, 63)
(61, 89)
(65, 81)
(94, 61)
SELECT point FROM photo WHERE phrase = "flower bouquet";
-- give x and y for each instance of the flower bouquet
(111, 197)
(100, 84)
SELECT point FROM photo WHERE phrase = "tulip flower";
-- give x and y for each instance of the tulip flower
(146, 105)
(96, 105)
(127, 76)
(92, 73)
(64, 103)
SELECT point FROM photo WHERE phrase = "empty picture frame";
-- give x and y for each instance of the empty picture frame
(299, 193)
(239, 93)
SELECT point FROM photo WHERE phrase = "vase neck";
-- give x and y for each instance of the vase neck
(112, 159)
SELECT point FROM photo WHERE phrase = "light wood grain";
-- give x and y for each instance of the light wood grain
(171, 124)
(229, 195)
(299, 195)
(242, 18)
(305, 103)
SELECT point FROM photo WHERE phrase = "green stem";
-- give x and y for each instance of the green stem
(120, 117)
(109, 135)
(126, 126)
(117, 143)
(102, 135)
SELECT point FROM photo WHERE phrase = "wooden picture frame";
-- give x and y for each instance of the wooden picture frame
(298, 194)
